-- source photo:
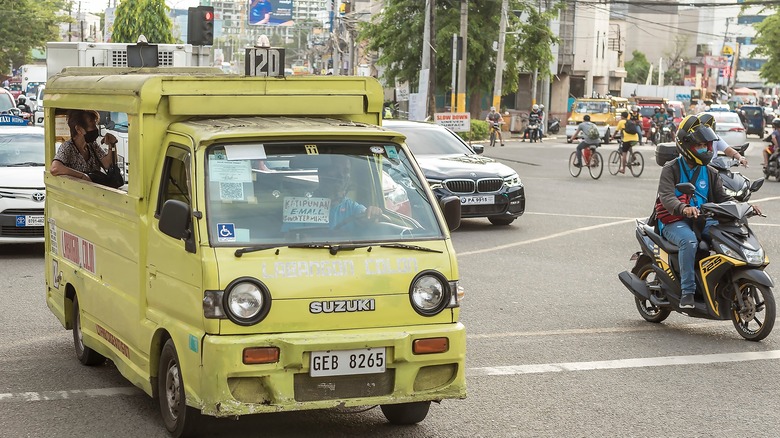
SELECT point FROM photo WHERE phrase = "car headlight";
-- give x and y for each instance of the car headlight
(429, 293)
(435, 184)
(754, 257)
(246, 301)
(512, 180)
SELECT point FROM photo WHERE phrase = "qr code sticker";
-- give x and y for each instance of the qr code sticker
(231, 191)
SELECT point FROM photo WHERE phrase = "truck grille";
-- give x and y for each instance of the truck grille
(309, 388)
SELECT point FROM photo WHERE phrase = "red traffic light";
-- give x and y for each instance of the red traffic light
(209, 16)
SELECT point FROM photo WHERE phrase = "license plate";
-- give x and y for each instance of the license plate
(29, 221)
(346, 362)
(478, 200)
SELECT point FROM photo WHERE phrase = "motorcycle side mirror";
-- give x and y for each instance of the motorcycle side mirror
(755, 185)
(742, 149)
(685, 188)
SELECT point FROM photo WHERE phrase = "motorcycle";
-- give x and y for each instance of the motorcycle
(667, 132)
(655, 135)
(773, 166)
(730, 277)
(734, 183)
(554, 125)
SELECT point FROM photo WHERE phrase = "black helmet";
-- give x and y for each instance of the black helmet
(776, 123)
(707, 120)
(657, 109)
(586, 117)
(692, 132)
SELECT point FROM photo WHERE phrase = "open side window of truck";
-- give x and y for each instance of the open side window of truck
(176, 217)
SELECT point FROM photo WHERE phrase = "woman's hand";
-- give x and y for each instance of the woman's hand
(109, 139)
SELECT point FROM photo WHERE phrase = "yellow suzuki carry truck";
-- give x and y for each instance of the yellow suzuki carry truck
(274, 249)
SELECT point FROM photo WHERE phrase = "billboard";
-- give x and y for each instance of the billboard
(270, 12)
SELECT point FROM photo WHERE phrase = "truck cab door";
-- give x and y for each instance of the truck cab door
(174, 269)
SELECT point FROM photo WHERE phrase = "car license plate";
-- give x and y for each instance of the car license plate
(478, 200)
(29, 221)
(346, 362)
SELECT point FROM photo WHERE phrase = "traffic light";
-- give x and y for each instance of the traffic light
(200, 26)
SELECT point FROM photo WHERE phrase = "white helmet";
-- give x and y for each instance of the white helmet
(535, 107)
(541, 107)
(492, 108)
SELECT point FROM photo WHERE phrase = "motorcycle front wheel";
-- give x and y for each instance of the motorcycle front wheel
(647, 310)
(756, 318)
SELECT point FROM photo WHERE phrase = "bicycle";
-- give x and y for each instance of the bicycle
(494, 132)
(591, 159)
(635, 162)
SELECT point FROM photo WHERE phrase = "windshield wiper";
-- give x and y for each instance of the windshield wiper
(25, 164)
(410, 247)
(241, 251)
(333, 248)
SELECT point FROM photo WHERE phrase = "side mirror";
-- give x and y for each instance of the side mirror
(685, 188)
(175, 219)
(478, 148)
(450, 206)
(755, 185)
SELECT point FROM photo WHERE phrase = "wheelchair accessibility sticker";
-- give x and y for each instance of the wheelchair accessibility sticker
(226, 233)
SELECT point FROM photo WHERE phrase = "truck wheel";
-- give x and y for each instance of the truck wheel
(85, 355)
(406, 413)
(180, 419)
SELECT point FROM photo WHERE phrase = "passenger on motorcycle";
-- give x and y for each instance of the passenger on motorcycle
(629, 140)
(676, 211)
(584, 128)
(775, 145)
(659, 117)
(495, 117)
(720, 145)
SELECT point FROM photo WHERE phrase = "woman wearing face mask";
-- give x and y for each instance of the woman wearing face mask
(82, 154)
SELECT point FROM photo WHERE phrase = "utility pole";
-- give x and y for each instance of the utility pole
(497, 92)
(335, 58)
(464, 27)
(424, 82)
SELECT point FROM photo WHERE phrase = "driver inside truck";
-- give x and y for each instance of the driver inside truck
(333, 184)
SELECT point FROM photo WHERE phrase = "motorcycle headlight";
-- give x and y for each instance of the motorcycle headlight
(429, 293)
(754, 257)
(733, 193)
(246, 301)
(731, 253)
(512, 180)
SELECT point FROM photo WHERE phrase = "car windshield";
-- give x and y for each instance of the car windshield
(592, 107)
(425, 140)
(647, 111)
(293, 193)
(21, 150)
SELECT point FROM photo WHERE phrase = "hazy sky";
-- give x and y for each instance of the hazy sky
(99, 5)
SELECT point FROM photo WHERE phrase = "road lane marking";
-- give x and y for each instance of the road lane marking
(644, 362)
(74, 394)
(541, 239)
(595, 330)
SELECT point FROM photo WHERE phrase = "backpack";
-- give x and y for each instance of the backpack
(592, 132)
(630, 127)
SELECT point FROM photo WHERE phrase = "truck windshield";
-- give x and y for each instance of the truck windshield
(592, 107)
(315, 192)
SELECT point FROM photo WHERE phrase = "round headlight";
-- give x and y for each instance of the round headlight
(429, 293)
(246, 301)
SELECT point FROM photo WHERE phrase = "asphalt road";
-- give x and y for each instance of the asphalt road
(555, 345)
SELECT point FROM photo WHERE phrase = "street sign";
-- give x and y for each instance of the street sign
(458, 122)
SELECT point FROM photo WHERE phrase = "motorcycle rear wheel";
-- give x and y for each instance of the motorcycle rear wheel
(647, 310)
(756, 319)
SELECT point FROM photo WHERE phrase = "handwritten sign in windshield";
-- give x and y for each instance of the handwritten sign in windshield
(303, 210)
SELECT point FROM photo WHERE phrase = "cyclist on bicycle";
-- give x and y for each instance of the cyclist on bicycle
(585, 129)
(629, 139)
(495, 120)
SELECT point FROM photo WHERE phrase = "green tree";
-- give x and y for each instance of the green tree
(637, 68)
(767, 43)
(25, 25)
(527, 44)
(142, 17)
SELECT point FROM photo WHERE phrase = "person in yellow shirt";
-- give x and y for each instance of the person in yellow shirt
(629, 138)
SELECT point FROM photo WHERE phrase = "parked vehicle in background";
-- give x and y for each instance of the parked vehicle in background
(22, 191)
(33, 75)
(729, 127)
(754, 116)
(15, 87)
(486, 188)
(603, 112)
